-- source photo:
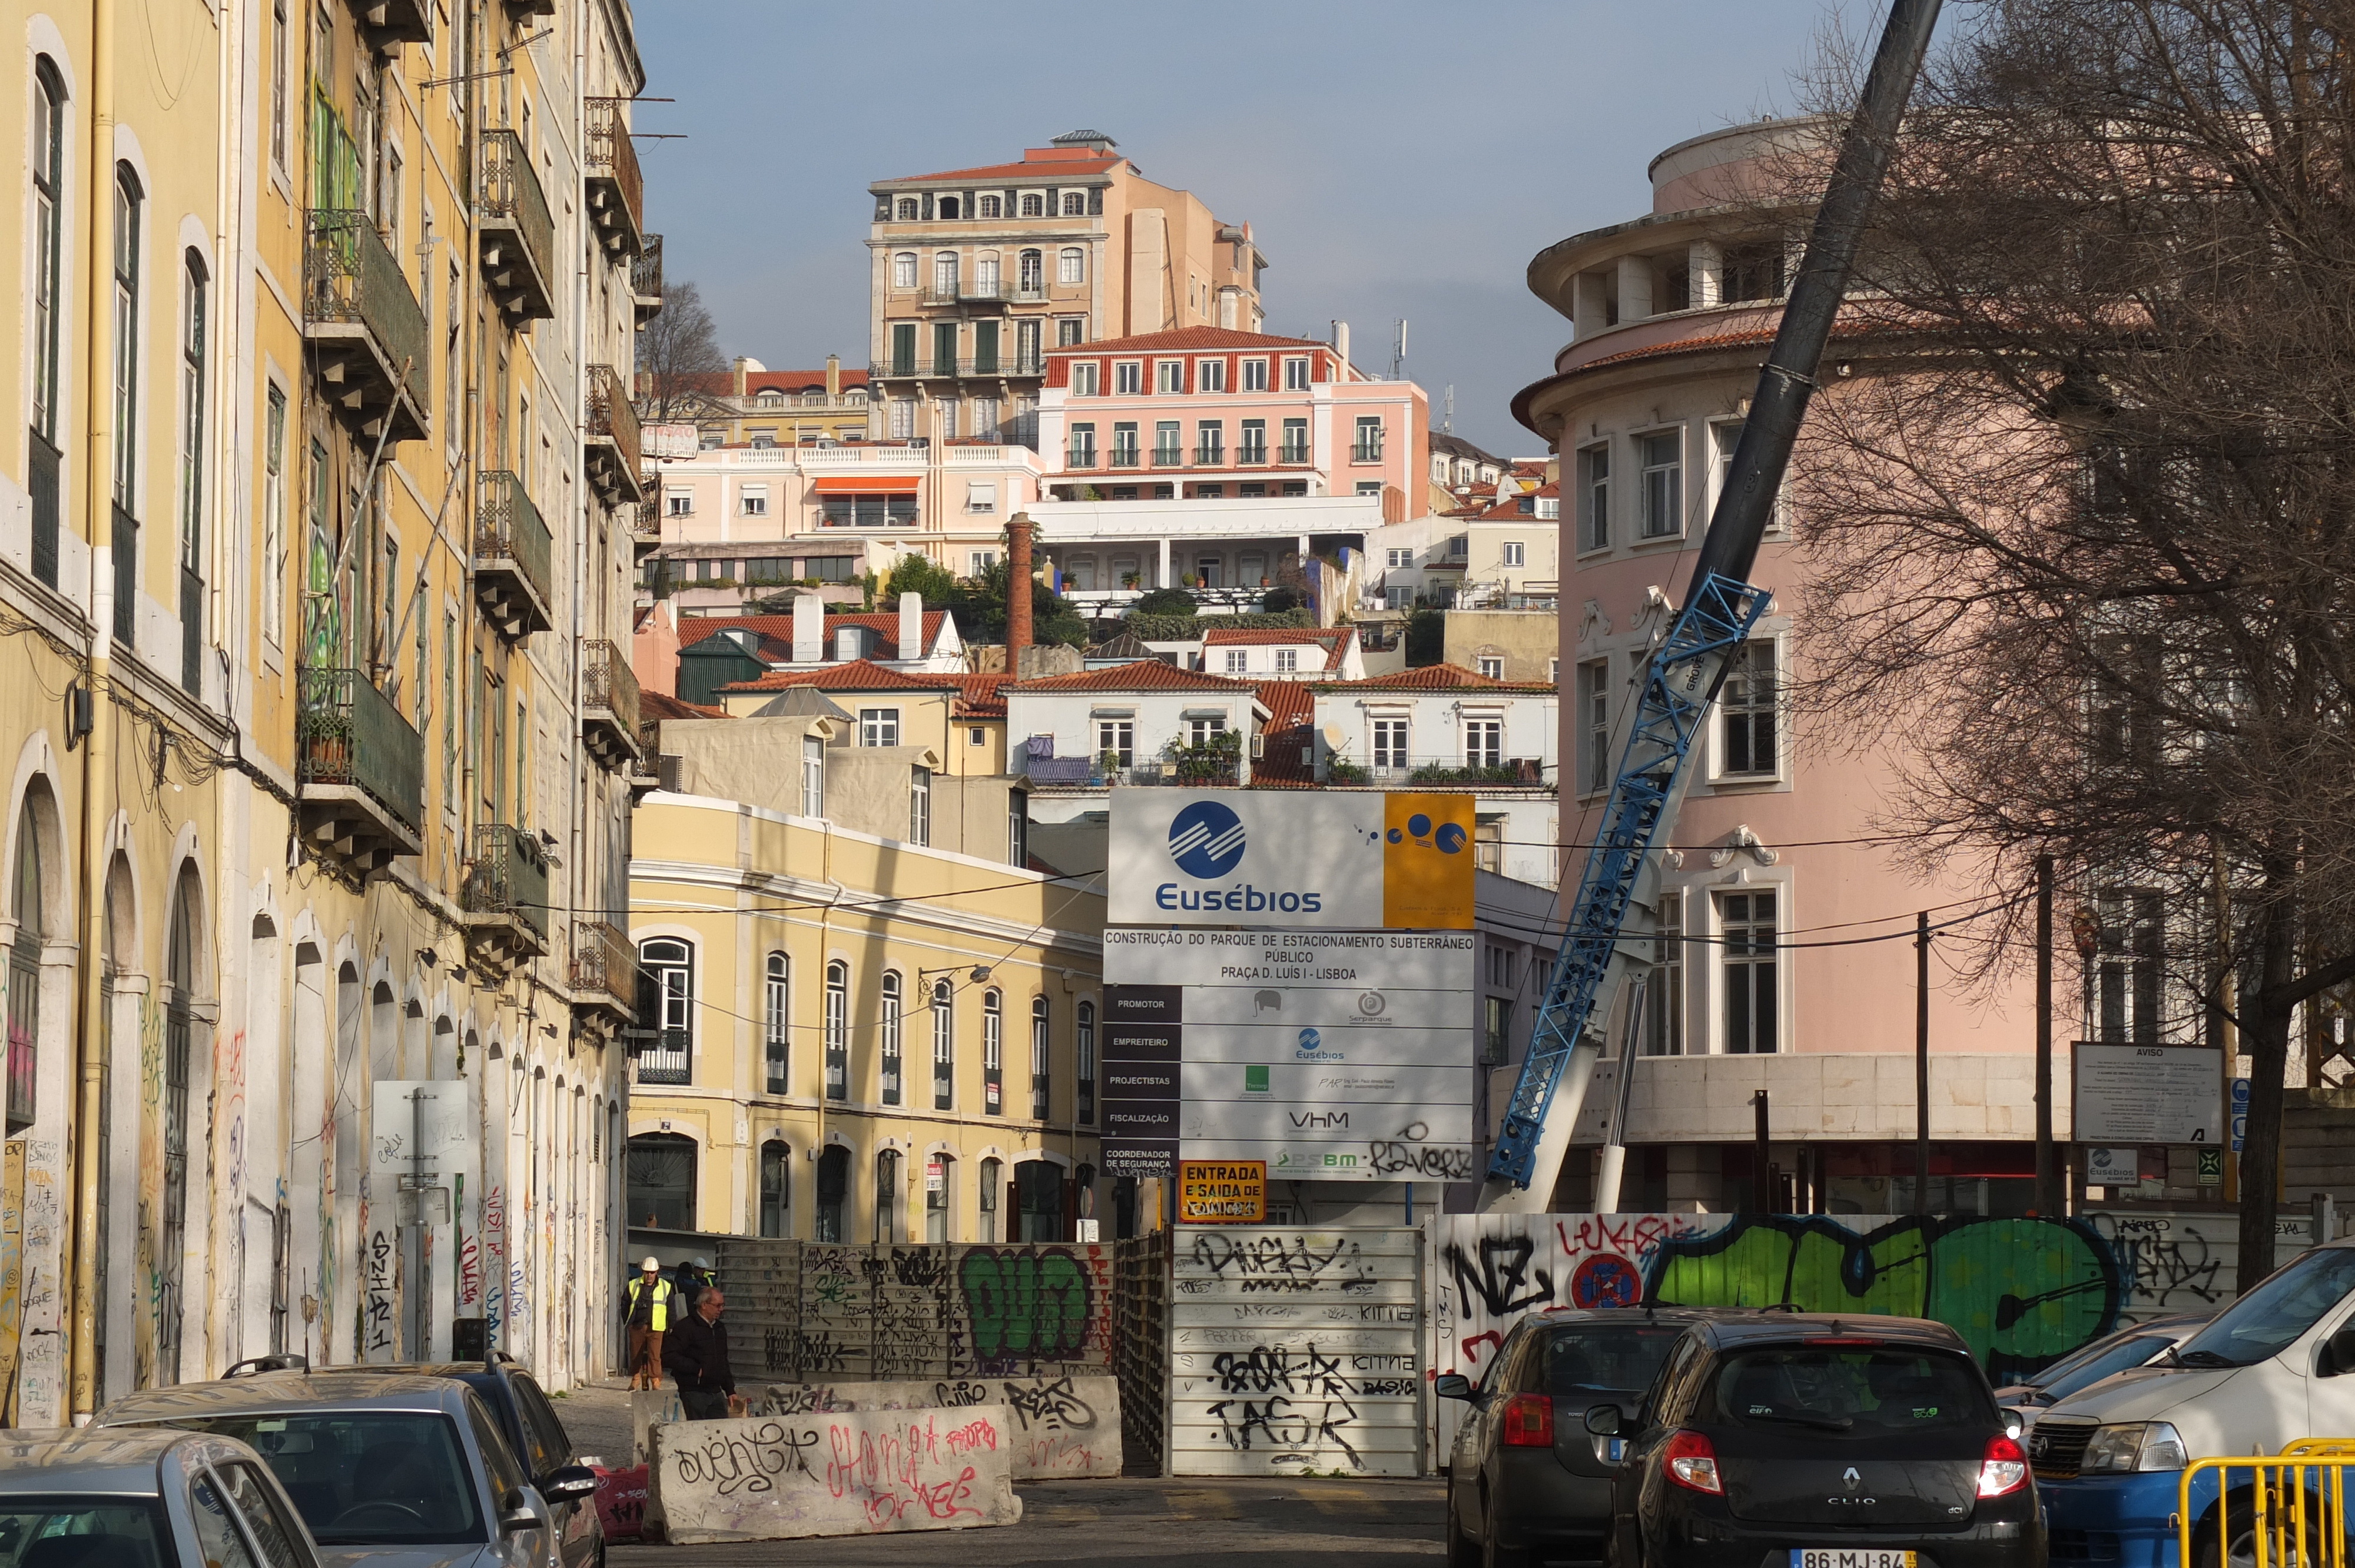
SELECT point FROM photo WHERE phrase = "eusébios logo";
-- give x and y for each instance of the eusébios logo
(1207, 841)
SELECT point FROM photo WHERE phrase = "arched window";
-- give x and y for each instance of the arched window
(993, 207)
(940, 1196)
(887, 1195)
(776, 1189)
(993, 1055)
(944, 274)
(837, 1031)
(833, 1190)
(771, 399)
(943, 1045)
(1031, 271)
(1075, 204)
(25, 970)
(180, 972)
(1083, 1075)
(1040, 1077)
(889, 1055)
(1071, 265)
(776, 1027)
(1034, 205)
(48, 251)
(668, 966)
(903, 269)
(659, 1185)
(948, 208)
(991, 1195)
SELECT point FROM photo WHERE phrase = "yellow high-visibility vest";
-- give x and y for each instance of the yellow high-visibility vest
(659, 1319)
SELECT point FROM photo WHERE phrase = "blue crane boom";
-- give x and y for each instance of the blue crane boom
(1707, 634)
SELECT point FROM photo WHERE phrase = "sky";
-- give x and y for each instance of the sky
(1394, 160)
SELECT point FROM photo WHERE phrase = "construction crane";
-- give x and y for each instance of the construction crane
(1690, 665)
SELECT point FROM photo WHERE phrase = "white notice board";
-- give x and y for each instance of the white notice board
(2147, 1094)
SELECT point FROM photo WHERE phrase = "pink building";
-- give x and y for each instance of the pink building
(1774, 856)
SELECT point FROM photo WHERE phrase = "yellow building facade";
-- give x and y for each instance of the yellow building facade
(314, 558)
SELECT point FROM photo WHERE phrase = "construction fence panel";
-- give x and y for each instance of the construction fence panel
(1142, 1342)
(1297, 1351)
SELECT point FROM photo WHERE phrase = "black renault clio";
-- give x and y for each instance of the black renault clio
(1803, 1441)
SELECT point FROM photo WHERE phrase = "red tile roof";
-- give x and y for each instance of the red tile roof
(1434, 678)
(1510, 507)
(984, 696)
(885, 623)
(1138, 675)
(852, 675)
(1290, 734)
(1334, 644)
(662, 705)
(1195, 337)
(1041, 169)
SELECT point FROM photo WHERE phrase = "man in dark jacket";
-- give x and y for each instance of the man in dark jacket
(695, 1353)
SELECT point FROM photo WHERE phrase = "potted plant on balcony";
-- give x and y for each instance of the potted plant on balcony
(1130, 580)
(1341, 771)
(1107, 767)
(1214, 761)
(1190, 580)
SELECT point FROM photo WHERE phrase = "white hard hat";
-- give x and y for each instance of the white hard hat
(702, 1261)
(651, 1265)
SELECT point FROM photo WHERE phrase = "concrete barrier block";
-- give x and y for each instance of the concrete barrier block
(622, 1501)
(647, 1406)
(1062, 1426)
(835, 1472)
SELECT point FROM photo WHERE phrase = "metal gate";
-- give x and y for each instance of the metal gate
(1297, 1351)
(1141, 1346)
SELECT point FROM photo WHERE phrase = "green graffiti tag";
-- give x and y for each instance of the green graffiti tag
(1024, 1306)
(2020, 1292)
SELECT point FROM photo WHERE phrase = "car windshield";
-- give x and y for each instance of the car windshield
(1606, 1357)
(2269, 1320)
(366, 1477)
(1867, 1390)
(2114, 1356)
(81, 1532)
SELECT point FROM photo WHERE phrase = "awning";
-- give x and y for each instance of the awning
(879, 486)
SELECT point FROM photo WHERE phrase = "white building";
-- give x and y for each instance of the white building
(1229, 552)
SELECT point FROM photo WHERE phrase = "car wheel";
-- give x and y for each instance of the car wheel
(1461, 1552)
(2241, 1552)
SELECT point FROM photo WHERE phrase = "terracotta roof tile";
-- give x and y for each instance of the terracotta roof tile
(1334, 644)
(1139, 675)
(1290, 733)
(1435, 678)
(662, 705)
(983, 696)
(1045, 170)
(695, 628)
(852, 675)
(1189, 338)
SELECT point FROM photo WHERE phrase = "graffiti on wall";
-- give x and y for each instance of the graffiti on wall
(1024, 1306)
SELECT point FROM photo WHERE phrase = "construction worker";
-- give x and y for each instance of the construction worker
(649, 1306)
(693, 1276)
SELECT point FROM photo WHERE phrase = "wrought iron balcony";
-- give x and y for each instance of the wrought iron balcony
(647, 278)
(513, 557)
(518, 238)
(608, 705)
(646, 523)
(604, 976)
(504, 897)
(611, 453)
(369, 340)
(616, 191)
(664, 1058)
(360, 771)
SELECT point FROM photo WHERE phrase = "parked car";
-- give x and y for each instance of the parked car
(2270, 1368)
(145, 1500)
(528, 1419)
(1820, 1442)
(2135, 1345)
(1525, 1475)
(386, 1471)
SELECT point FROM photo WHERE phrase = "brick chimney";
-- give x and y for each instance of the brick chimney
(1017, 591)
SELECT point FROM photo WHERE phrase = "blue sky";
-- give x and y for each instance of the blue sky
(1394, 159)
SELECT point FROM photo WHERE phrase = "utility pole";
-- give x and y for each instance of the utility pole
(2049, 1201)
(1921, 1063)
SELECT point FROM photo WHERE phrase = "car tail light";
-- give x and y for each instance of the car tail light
(1692, 1463)
(2004, 1470)
(1528, 1421)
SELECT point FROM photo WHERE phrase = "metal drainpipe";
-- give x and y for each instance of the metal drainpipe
(97, 393)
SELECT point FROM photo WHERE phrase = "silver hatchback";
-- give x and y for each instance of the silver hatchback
(143, 1499)
(386, 1471)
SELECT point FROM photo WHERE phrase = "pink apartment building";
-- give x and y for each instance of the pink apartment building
(1672, 314)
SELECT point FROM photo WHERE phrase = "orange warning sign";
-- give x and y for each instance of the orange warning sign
(1222, 1192)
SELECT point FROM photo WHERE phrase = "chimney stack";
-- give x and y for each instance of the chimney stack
(833, 378)
(911, 626)
(1017, 591)
(1341, 350)
(809, 630)
(737, 371)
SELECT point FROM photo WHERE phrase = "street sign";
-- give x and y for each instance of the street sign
(1222, 1192)
(2212, 1167)
(2147, 1094)
(2112, 1167)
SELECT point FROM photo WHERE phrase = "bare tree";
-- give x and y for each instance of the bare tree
(2081, 504)
(677, 351)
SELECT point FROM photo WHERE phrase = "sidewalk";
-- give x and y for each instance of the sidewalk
(596, 1416)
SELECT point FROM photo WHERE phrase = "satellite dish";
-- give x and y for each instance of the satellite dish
(1333, 736)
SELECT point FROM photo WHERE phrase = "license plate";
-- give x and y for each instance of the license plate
(1849, 1557)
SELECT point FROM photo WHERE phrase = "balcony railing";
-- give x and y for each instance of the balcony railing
(664, 1060)
(1080, 457)
(613, 455)
(603, 963)
(1366, 452)
(360, 314)
(518, 238)
(616, 190)
(645, 526)
(1457, 772)
(609, 703)
(513, 556)
(646, 278)
(507, 879)
(1289, 453)
(360, 771)
(1123, 457)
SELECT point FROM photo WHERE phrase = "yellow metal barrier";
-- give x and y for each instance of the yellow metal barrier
(2288, 1510)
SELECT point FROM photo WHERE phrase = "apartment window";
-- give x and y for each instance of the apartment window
(1209, 375)
(1116, 742)
(1595, 724)
(1753, 272)
(1399, 557)
(1747, 922)
(1209, 442)
(1030, 268)
(920, 805)
(49, 239)
(1075, 204)
(1083, 1086)
(1085, 379)
(128, 201)
(887, 1164)
(1070, 264)
(977, 736)
(1251, 443)
(907, 209)
(1483, 743)
(1254, 375)
(281, 54)
(1071, 330)
(1594, 498)
(1083, 452)
(1203, 731)
(274, 517)
(813, 776)
(888, 1038)
(1018, 828)
(1124, 444)
(992, 1053)
(756, 500)
(1512, 553)
(1034, 205)
(1665, 999)
(1497, 1030)
(904, 345)
(1553, 671)
(1287, 661)
(902, 420)
(991, 206)
(669, 966)
(1500, 967)
(1238, 661)
(2129, 964)
(776, 1024)
(1368, 448)
(678, 503)
(985, 425)
(878, 727)
(944, 348)
(943, 1044)
(450, 713)
(939, 1198)
(1168, 443)
(903, 269)
(1295, 373)
(1390, 741)
(837, 1031)
(1663, 482)
(1170, 375)
(1747, 702)
(993, 1189)
(978, 561)
(1128, 377)
(776, 1188)
(981, 496)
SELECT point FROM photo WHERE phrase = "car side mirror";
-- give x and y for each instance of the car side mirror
(521, 1512)
(568, 1483)
(1451, 1386)
(1602, 1420)
(2342, 1352)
